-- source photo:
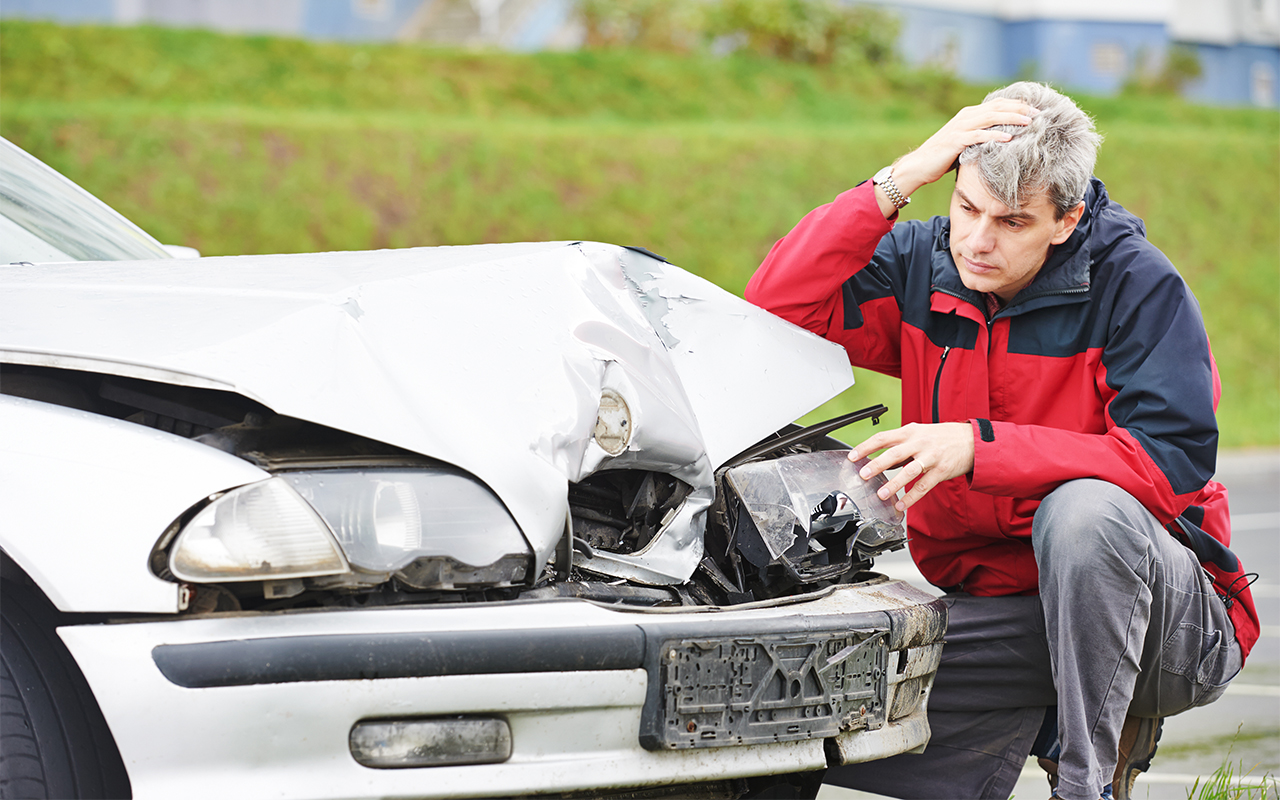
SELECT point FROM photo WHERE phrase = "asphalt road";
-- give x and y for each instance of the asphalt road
(1243, 727)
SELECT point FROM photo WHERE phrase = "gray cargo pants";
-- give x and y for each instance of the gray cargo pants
(1126, 622)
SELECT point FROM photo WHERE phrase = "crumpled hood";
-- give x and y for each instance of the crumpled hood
(490, 357)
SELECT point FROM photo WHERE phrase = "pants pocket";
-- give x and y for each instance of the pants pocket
(1218, 668)
(1202, 663)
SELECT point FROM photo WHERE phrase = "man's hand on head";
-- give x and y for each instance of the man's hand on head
(928, 455)
(938, 154)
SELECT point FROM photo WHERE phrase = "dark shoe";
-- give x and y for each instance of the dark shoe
(1138, 740)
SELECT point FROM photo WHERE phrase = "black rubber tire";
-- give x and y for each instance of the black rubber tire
(54, 742)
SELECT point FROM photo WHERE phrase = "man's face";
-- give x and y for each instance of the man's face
(996, 248)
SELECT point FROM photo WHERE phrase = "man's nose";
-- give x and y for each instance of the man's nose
(982, 238)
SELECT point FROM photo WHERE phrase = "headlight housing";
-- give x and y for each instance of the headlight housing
(257, 532)
(812, 513)
(433, 528)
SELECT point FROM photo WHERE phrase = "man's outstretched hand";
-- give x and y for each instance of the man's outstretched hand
(928, 455)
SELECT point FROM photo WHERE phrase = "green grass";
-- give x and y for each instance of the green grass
(254, 144)
(1231, 783)
(1234, 782)
(172, 68)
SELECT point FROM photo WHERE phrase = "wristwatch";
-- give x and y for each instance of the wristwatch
(884, 179)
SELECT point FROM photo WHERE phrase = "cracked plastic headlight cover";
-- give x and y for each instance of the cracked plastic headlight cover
(792, 504)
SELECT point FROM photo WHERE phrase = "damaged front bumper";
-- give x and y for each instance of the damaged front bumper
(594, 698)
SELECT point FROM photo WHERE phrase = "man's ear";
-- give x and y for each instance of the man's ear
(1067, 225)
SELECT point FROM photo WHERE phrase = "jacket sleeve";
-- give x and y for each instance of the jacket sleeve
(828, 276)
(1159, 386)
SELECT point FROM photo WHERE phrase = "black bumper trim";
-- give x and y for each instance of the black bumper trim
(374, 656)
(340, 657)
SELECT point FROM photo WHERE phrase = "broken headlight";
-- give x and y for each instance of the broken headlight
(811, 514)
(432, 528)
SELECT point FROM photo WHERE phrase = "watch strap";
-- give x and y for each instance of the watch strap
(884, 179)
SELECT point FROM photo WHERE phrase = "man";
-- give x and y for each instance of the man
(1058, 396)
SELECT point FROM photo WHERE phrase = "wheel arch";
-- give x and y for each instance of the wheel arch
(54, 739)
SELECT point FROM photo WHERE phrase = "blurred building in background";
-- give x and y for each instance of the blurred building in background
(512, 24)
(1215, 51)
(1098, 45)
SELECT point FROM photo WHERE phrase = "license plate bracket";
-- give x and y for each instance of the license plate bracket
(757, 689)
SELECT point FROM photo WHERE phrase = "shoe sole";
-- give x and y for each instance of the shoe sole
(1145, 742)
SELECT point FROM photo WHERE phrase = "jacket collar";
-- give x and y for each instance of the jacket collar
(1064, 278)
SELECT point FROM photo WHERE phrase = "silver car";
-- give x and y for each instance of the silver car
(484, 521)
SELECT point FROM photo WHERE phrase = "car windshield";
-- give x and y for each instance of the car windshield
(45, 217)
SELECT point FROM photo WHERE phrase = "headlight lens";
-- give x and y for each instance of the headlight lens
(386, 520)
(263, 530)
(433, 528)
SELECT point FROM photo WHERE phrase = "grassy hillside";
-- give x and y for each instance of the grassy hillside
(251, 144)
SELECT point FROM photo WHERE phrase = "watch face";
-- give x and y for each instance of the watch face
(882, 175)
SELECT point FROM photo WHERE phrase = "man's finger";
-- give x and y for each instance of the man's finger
(987, 116)
(875, 443)
(858, 450)
(910, 471)
(983, 135)
(918, 491)
(895, 456)
(986, 120)
(1004, 105)
(927, 481)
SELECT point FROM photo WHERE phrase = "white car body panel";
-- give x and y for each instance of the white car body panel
(570, 730)
(110, 489)
(357, 341)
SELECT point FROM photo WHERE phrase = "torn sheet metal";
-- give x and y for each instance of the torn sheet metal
(490, 357)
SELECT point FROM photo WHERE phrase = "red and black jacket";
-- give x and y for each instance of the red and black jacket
(1099, 368)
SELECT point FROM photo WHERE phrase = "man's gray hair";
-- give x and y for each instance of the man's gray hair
(1054, 154)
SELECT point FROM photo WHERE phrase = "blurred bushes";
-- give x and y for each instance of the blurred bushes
(1179, 67)
(662, 25)
(820, 32)
(807, 31)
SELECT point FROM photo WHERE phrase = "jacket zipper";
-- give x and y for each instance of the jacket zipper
(937, 382)
(1051, 293)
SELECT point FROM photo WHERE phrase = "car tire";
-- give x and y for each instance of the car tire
(54, 741)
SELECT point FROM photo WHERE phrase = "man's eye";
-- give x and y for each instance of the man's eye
(1014, 225)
